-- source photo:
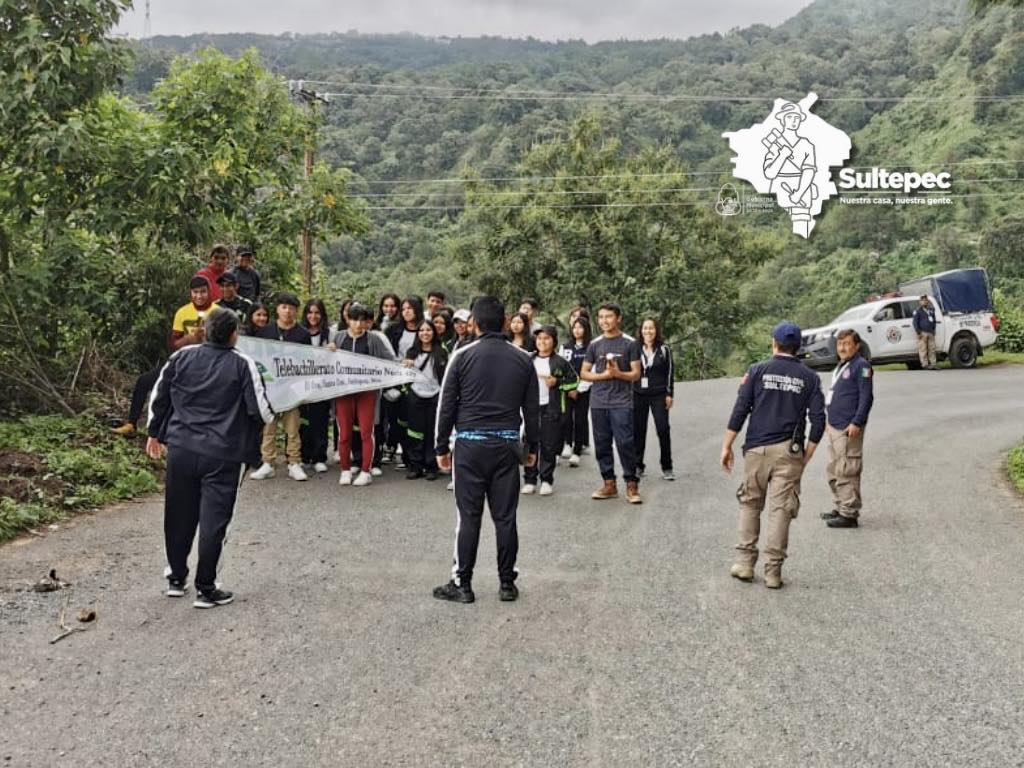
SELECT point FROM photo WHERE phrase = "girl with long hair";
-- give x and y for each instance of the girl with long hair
(428, 356)
(519, 332)
(259, 318)
(442, 321)
(387, 312)
(653, 394)
(314, 417)
(576, 426)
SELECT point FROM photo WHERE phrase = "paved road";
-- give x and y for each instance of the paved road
(899, 643)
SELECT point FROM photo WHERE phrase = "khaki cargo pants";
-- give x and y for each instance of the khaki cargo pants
(770, 473)
(292, 445)
(926, 349)
(845, 464)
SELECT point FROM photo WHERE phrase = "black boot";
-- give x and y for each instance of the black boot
(456, 593)
(829, 515)
(508, 592)
(842, 522)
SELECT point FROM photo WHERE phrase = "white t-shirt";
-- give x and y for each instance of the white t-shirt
(405, 343)
(543, 367)
(425, 389)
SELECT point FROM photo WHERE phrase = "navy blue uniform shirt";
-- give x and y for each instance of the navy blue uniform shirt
(779, 395)
(852, 393)
(924, 320)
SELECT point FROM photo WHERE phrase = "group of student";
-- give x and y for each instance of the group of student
(613, 382)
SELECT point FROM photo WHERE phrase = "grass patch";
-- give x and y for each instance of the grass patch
(1015, 467)
(992, 356)
(52, 466)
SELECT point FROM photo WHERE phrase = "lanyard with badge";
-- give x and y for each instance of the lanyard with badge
(646, 363)
(836, 374)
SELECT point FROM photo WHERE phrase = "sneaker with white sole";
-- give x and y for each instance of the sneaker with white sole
(528, 489)
(319, 467)
(363, 478)
(450, 486)
(376, 471)
(668, 474)
(295, 472)
(346, 478)
(546, 489)
(567, 452)
(353, 469)
(574, 460)
(176, 588)
(213, 598)
(264, 472)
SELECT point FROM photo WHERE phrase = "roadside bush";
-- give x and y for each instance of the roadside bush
(1015, 467)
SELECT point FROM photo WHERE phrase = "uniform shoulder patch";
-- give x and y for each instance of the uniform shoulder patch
(865, 372)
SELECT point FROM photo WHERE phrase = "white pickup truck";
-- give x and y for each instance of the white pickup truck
(967, 323)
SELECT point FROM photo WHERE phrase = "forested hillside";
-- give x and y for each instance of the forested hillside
(904, 81)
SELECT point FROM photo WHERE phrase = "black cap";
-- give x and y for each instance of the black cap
(287, 298)
(198, 281)
(244, 250)
(550, 330)
(227, 277)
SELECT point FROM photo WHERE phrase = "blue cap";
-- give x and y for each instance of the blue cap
(787, 334)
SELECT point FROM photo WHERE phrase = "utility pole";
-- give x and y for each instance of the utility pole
(147, 30)
(312, 99)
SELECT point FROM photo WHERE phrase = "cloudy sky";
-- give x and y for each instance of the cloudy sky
(591, 20)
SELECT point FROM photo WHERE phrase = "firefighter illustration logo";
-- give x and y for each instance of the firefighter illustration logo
(790, 156)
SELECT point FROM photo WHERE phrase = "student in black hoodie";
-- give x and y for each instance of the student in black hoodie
(315, 417)
(653, 394)
(555, 379)
(576, 424)
(428, 355)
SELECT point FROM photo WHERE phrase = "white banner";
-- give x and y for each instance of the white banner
(300, 373)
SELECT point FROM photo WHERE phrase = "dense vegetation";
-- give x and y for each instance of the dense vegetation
(415, 110)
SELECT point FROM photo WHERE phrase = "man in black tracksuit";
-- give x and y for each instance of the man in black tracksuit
(489, 389)
(209, 406)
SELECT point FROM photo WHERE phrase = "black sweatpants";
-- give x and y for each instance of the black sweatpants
(422, 426)
(655, 405)
(200, 491)
(550, 447)
(485, 470)
(576, 423)
(140, 392)
(314, 419)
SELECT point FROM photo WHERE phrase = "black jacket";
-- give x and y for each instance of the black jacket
(562, 370)
(487, 385)
(779, 395)
(210, 399)
(660, 376)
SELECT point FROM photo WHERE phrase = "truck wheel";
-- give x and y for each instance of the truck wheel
(964, 352)
(914, 366)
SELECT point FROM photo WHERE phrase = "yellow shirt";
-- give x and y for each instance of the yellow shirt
(188, 318)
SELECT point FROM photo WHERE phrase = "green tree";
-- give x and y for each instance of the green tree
(607, 226)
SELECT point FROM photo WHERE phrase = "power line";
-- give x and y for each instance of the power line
(726, 172)
(640, 190)
(470, 92)
(681, 204)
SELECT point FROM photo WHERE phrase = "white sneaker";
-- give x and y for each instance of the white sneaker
(320, 467)
(266, 470)
(528, 489)
(450, 486)
(376, 471)
(364, 478)
(574, 460)
(295, 472)
(346, 478)
(546, 489)
(566, 452)
(353, 469)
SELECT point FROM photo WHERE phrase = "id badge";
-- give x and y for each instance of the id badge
(643, 383)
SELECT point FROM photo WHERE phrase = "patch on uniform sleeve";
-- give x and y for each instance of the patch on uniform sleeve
(746, 378)
(865, 372)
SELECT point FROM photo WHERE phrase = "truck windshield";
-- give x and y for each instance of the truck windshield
(852, 314)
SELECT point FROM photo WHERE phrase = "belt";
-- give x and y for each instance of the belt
(511, 435)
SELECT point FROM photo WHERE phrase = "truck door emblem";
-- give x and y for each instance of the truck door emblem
(893, 335)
